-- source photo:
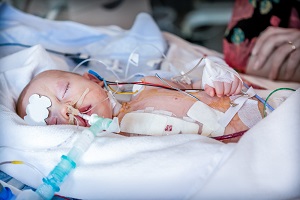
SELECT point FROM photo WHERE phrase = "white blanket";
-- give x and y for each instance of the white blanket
(264, 164)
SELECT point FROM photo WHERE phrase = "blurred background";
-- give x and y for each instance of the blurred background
(198, 21)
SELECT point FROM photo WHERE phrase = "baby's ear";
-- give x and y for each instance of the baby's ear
(92, 78)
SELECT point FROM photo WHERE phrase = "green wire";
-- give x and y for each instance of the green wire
(278, 89)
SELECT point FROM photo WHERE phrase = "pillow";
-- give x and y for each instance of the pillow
(16, 70)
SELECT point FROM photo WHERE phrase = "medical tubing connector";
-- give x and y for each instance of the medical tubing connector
(51, 183)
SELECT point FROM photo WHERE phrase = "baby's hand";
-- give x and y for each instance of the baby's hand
(219, 79)
(223, 88)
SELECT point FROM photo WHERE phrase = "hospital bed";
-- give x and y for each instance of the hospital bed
(264, 164)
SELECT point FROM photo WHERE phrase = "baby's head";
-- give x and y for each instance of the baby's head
(67, 90)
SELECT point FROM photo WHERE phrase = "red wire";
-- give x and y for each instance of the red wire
(147, 84)
(230, 136)
(224, 137)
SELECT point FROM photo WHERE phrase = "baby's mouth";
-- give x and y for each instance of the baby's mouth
(81, 121)
(85, 110)
(75, 115)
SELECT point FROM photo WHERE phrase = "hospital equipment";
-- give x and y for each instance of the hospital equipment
(51, 184)
(68, 162)
(5, 193)
(184, 166)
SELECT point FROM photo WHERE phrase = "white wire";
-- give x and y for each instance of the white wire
(186, 73)
(99, 61)
(136, 48)
(23, 162)
(42, 149)
(179, 90)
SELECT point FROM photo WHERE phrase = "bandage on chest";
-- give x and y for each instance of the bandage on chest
(240, 101)
(156, 124)
(249, 113)
(208, 117)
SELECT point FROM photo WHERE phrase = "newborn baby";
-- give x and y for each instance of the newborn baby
(151, 110)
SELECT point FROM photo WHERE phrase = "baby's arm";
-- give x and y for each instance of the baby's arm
(221, 88)
(219, 79)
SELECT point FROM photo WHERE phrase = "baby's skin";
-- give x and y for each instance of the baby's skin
(178, 104)
(87, 95)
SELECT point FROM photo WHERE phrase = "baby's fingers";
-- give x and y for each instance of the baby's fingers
(222, 88)
(239, 88)
(236, 86)
(209, 90)
(227, 88)
(219, 88)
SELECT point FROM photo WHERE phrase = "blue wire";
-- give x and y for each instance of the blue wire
(95, 74)
(260, 99)
(98, 77)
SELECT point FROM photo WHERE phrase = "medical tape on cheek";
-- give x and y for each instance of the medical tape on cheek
(208, 117)
(72, 112)
(156, 124)
(239, 102)
(80, 100)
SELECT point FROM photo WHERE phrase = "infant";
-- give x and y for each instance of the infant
(152, 110)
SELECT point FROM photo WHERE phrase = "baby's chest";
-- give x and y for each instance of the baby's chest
(175, 103)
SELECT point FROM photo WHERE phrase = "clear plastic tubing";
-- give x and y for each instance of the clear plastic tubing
(51, 184)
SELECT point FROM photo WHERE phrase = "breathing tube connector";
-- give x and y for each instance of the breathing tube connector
(51, 184)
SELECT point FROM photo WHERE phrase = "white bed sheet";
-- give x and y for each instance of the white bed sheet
(262, 165)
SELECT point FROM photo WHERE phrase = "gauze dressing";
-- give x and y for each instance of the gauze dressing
(37, 110)
(156, 124)
(216, 69)
(207, 116)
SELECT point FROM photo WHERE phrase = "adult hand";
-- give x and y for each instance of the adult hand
(223, 88)
(277, 50)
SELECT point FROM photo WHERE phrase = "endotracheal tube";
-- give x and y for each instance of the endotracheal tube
(51, 184)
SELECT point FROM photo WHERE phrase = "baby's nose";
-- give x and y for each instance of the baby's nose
(64, 111)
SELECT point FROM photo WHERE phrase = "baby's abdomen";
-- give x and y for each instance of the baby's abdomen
(178, 104)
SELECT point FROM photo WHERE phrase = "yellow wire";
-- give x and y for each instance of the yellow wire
(17, 162)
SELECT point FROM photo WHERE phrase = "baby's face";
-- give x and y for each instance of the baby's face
(84, 93)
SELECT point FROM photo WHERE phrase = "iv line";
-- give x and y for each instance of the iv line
(135, 49)
(179, 90)
(92, 59)
(18, 162)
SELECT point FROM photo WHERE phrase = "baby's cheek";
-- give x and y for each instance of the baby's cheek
(104, 109)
